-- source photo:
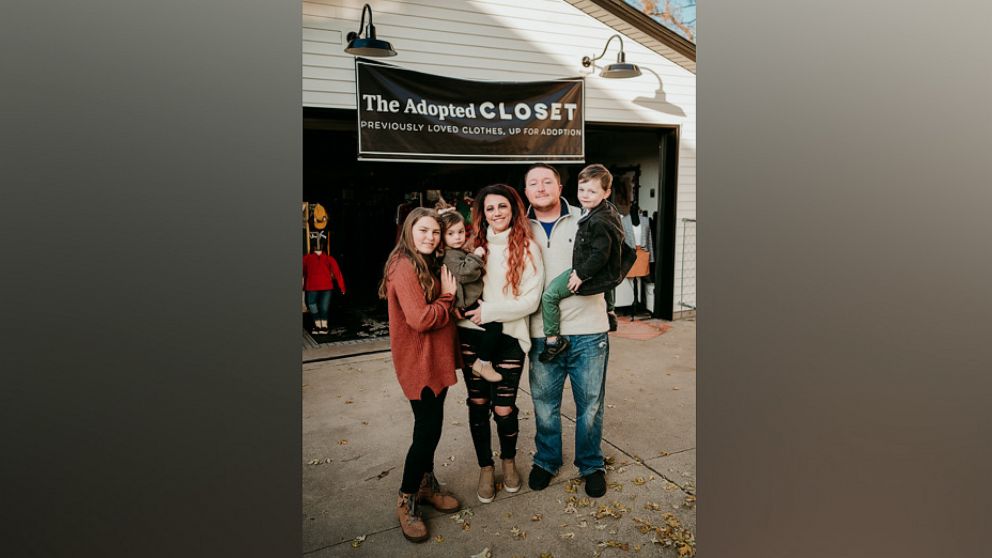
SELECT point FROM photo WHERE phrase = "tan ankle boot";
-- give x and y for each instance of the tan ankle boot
(485, 370)
(511, 479)
(487, 484)
(412, 525)
(431, 494)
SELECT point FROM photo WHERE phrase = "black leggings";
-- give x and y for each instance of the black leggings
(484, 396)
(428, 417)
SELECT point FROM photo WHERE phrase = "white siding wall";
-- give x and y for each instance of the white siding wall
(512, 40)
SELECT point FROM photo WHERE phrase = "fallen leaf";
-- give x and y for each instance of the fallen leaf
(663, 453)
(651, 506)
(348, 402)
(358, 541)
(639, 481)
(460, 516)
(690, 501)
(568, 535)
(342, 442)
(615, 544)
(381, 475)
(675, 388)
(546, 555)
(439, 539)
(618, 487)
(518, 534)
(537, 517)
(484, 554)
(610, 406)
(466, 526)
(365, 422)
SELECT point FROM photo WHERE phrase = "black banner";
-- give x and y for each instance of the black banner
(412, 116)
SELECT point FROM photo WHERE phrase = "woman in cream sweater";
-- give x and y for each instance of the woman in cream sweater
(512, 285)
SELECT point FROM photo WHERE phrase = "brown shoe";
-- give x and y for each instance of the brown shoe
(431, 494)
(487, 484)
(511, 479)
(412, 525)
(485, 370)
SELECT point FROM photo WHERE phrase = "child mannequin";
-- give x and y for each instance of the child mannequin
(320, 274)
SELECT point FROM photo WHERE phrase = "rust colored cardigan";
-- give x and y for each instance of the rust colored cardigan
(422, 335)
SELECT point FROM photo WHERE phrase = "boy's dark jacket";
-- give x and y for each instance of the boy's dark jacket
(600, 257)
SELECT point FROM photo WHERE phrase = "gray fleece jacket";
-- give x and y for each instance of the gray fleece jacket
(467, 269)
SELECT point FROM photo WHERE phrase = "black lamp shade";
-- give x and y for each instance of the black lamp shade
(370, 47)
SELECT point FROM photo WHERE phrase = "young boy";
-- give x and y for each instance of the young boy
(599, 261)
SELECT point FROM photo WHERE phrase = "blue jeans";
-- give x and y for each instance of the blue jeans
(584, 363)
(318, 302)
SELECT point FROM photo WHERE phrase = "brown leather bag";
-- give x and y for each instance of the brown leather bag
(641, 264)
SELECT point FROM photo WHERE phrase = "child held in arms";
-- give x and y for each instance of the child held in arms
(467, 266)
(596, 257)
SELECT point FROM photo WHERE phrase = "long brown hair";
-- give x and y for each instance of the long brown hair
(406, 249)
(520, 234)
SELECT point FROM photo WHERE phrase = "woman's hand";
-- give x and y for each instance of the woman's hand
(448, 282)
(475, 315)
(480, 251)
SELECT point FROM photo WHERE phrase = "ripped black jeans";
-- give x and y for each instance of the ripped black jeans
(487, 398)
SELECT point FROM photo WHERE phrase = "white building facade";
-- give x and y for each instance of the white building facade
(531, 40)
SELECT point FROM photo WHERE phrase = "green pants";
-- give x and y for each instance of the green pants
(556, 290)
(554, 293)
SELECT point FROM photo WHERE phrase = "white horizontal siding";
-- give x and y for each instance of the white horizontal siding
(513, 40)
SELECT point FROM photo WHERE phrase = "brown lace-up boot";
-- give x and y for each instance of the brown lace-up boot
(412, 525)
(431, 494)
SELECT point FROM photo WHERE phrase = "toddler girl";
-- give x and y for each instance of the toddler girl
(467, 268)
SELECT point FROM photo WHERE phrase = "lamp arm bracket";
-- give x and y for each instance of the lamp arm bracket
(353, 35)
(586, 61)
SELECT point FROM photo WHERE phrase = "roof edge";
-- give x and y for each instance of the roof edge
(645, 23)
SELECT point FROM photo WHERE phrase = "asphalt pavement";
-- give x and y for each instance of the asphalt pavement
(357, 427)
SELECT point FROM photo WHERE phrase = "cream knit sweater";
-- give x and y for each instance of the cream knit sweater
(499, 306)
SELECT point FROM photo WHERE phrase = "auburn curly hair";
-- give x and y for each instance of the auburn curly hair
(520, 234)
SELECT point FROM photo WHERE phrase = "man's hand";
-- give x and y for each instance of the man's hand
(475, 315)
(574, 282)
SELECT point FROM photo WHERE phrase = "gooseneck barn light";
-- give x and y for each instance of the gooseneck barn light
(369, 46)
(620, 69)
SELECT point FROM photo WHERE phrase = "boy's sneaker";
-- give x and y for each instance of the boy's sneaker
(612, 316)
(551, 351)
(539, 479)
(596, 484)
